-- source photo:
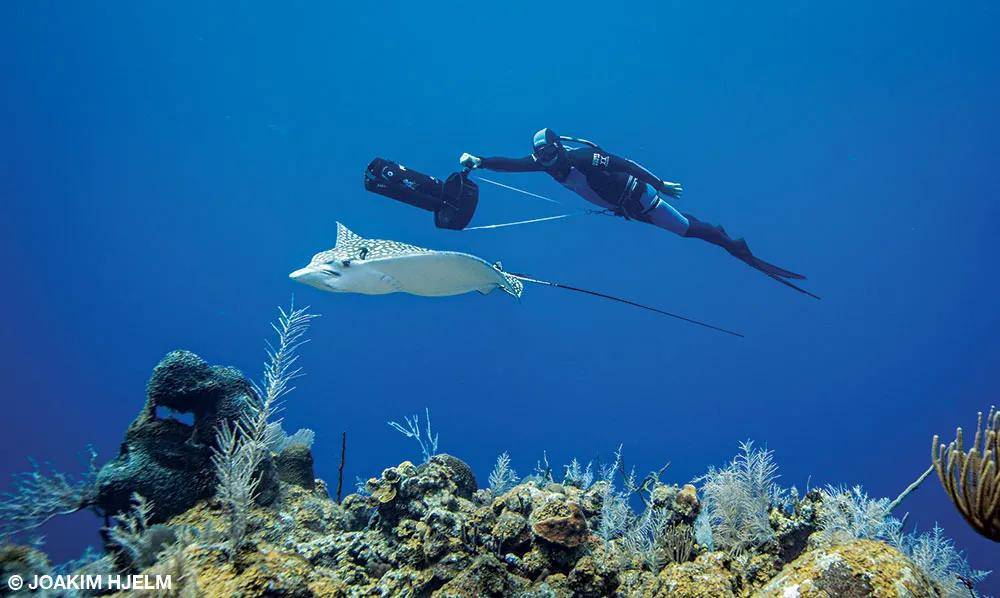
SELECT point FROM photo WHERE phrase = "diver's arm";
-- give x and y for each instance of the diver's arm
(526, 164)
(619, 164)
(500, 164)
(640, 172)
(602, 160)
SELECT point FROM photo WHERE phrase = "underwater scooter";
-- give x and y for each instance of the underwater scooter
(453, 200)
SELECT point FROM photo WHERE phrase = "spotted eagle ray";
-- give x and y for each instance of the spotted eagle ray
(379, 267)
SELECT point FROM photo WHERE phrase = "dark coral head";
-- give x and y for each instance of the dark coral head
(183, 382)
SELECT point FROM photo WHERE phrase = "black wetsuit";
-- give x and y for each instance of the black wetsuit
(598, 176)
(630, 190)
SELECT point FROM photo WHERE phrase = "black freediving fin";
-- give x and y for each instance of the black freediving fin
(769, 268)
(739, 249)
(779, 274)
(789, 284)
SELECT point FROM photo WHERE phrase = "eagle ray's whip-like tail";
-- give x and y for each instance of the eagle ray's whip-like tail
(620, 300)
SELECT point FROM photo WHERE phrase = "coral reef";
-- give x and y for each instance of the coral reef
(230, 506)
(424, 530)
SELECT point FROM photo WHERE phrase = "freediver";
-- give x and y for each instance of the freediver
(626, 189)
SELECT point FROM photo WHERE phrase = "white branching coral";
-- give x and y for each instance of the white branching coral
(38, 496)
(578, 475)
(412, 430)
(503, 477)
(235, 462)
(849, 513)
(616, 513)
(657, 540)
(242, 446)
(280, 370)
(937, 555)
(129, 531)
(738, 499)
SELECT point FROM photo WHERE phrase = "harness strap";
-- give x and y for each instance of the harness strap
(657, 200)
(628, 196)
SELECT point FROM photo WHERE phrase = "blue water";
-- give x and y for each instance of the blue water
(164, 167)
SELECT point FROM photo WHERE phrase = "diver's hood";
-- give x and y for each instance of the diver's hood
(547, 147)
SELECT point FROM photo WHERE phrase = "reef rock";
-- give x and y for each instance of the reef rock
(793, 528)
(854, 569)
(295, 466)
(705, 577)
(486, 576)
(560, 522)
(425, 530)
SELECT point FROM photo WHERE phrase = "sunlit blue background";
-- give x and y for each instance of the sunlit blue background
(163, 168)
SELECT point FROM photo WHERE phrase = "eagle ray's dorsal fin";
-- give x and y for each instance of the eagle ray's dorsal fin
(345, 236)
(349, 244)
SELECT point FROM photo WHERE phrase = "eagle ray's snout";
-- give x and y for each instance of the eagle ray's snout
(301, 273)
(321, 276)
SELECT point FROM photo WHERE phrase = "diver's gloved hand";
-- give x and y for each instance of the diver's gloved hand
(672, 189)
(469, 161)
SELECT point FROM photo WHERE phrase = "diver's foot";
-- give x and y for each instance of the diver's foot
(739, 249)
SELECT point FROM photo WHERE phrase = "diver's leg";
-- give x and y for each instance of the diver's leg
(661, 214)
(738, 248)
(658, 212)
(716, 235)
